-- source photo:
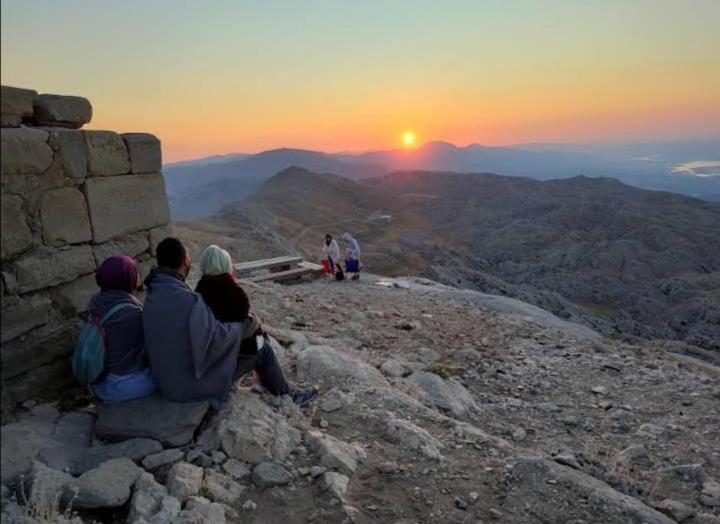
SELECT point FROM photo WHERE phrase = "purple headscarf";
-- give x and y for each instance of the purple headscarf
(118, 273)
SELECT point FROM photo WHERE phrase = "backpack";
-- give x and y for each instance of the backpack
(88, 359)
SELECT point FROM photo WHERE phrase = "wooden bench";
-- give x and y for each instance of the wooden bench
(279, 269)
(278, 264)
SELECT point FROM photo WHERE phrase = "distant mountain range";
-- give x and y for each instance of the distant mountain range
(629, 262)
(199, 188)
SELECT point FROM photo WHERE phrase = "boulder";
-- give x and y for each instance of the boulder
(710, 494)
(16, 105)
(16, 234)
(269, 474)
(251, 431)
(69, 146)
(334, 400)
(184, 480)
(529, 477)
(45, 486)
(444, 394)
(64, 217)
(336, 483)
(147, 499)
(24, 359)
(24, 151)
(236, 469)
(21, 314)
(221, 488)
(329, 367)
(144, 151)
(172, 423)
(413, 437)
(636, 455)
(392, 368)
(125, 204)
(48, 267)
(679, 482)
(107, 154)
(131, 245)
(677, 510)
(107, 486)
(201, 510)
(162, 458)
(62, 111)
(334, 453)
(134, 449)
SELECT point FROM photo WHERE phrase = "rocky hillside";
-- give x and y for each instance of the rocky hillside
(629, 262)
(436, 405)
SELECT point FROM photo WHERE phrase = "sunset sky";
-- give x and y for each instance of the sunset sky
(216, 77)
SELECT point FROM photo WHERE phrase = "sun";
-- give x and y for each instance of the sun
(409, 139)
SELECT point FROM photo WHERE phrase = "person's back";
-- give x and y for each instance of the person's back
(192, 355)
(125, 372)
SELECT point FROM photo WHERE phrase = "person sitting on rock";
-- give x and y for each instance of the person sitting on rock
(194, 355)
(126, 374)
(352, 256)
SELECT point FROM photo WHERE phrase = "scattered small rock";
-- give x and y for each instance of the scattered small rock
(268, 474)
(157, 460)
(184, 480)
(675, 509)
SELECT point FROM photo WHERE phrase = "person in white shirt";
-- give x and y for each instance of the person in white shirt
(331, 250)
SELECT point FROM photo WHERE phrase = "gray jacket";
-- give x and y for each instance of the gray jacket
(192, 355)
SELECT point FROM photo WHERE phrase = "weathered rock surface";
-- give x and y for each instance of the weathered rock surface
(144, 151)
(107, 486)
(171, 423)
(107, 154)
(69, 146)
(414, 437)
(529, 480)
(65, 217)
(62, 111)
(334, 453)
(201, 510)
(16, 104)
(336, 483)
(184, 480)
(444, 394)
(134, 449)
(20, 315)
(131, 245)
(125, 204)
(163, 458)
(16, 234)
(45, 268)
(221, 488)
(329, 366)
(251, 431)
(269, 474)
(24, 151)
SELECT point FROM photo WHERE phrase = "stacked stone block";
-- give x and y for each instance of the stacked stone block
(70, 198)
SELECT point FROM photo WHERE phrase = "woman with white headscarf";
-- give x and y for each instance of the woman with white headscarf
(352, 256)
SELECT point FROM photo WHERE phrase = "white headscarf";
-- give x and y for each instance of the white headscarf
(215, 261)
(352, 245)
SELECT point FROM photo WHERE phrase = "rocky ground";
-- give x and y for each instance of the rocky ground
(436, 405)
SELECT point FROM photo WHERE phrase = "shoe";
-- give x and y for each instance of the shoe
(303, 397)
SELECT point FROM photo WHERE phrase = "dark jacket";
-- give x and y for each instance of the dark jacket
(225, 297)
(192, 355)
(229, 303)
(124, 340)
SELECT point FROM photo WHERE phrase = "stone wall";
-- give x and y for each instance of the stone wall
(70, 198)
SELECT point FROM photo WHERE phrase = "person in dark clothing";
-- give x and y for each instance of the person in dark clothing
(230, 303)
(193, 354)
(125, 374)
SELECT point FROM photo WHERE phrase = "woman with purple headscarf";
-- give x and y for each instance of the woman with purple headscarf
(126, 374)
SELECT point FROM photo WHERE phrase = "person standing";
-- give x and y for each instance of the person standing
(331, 251)
(352, 256)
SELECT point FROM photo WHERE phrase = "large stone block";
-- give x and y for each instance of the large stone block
(144, 150)
(75, 296)
(107, 154)
(48, 267)
(69, 145)
(62, 111)
(40, 381)
(131, 245)
(125, 204)
(24, 151)
(16, 234)
(16, 104)
(20, 315)
(65, 217)
(42, 346)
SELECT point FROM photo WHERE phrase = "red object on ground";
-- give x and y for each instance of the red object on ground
(325, 266)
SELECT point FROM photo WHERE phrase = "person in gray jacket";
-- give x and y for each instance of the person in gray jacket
(193, 356)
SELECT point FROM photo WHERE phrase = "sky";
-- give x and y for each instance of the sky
(215, 77)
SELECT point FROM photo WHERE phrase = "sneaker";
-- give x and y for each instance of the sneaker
(303, 397)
